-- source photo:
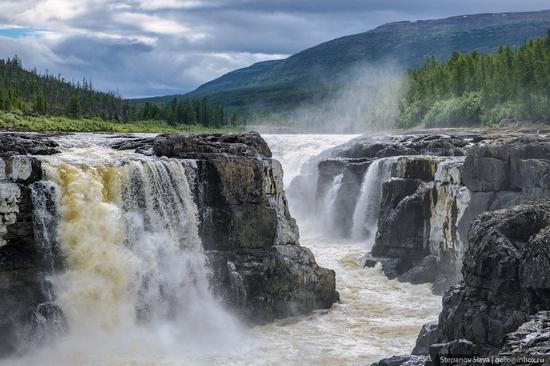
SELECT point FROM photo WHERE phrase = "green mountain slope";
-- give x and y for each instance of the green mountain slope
(275, 86)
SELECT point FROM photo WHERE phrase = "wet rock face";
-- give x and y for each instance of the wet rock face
(23, 144)
(250, 237)
(249, 144)
(403, 361)
(21, 265)
(504, 271)
(531, 338)
(424, 198)
(439, 184)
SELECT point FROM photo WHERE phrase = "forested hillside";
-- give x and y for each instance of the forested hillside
(313, 76)
(49, 95)
(475, 88)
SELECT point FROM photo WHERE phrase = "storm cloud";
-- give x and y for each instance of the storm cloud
(155, 47)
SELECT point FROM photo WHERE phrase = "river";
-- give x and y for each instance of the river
(375, 318)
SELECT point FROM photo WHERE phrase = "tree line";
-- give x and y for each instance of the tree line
(46, 94)
(473, 89)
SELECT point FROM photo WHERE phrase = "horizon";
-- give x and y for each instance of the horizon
(152, 48)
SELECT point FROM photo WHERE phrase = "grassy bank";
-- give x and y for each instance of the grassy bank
(13, 121)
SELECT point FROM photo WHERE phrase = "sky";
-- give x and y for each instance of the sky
(157, 47)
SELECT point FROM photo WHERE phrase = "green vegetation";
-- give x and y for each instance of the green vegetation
(17, 121)
(474, 89)
(52, 100)
(310, 77)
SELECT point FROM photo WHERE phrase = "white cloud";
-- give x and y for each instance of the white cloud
(158, 25)
(148, 47)
(47, 11)
(173, 4)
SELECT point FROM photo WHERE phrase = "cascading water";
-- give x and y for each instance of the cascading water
(132, 250)
(162, 227)
(134, 271)
(134, 287)
(328, 209)
(365, 216)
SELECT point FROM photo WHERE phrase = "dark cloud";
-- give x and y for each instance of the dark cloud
(151, 47)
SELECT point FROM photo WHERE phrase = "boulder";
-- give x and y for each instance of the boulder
(427, 336)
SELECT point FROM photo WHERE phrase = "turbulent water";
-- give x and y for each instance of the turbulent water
(130, 256)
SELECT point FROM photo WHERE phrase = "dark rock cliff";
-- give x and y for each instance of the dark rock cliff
(501, 307)
(439, 222)
(439, 182)
(23, 292)
(258, 266)
(252, 241)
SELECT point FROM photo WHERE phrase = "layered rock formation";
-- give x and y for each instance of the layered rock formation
(501, 307)
(438, 183)
(436, 186)
(23, 263)
(259, 267)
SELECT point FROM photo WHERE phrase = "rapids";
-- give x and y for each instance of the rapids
(116, 268)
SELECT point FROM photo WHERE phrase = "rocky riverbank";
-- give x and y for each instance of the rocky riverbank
(465, 210)
(431, 185)
(258, 267)
(249, 235)
(501, 307)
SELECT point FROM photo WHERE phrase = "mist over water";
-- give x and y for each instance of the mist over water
(365, 99)
(134, 297)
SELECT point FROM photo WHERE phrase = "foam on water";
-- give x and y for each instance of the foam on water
(376, 318)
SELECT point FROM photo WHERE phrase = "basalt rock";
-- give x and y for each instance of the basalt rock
(23, 144)
(425, 199)
(428, 335)
(531, 338)
(249, 144)
(504, 271)
(439, 183)
(22, 266)
(501, 309)
(403, 361)
(249, 235)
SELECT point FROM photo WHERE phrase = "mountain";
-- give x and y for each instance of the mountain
(279, 85)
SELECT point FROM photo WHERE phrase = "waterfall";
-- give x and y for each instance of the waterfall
(133, 256)
(365, 216)
(328, 210)
(47, 320)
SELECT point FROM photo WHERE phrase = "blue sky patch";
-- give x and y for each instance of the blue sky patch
(14, 32)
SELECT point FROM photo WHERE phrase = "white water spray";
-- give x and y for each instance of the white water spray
(134, 263)
(356, 331)
(365, 216)
(328, 205)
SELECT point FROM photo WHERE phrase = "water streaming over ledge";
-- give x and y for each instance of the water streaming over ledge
(365, 216)
(376, 318)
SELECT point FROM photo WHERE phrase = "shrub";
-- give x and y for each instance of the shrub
(459, 111)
